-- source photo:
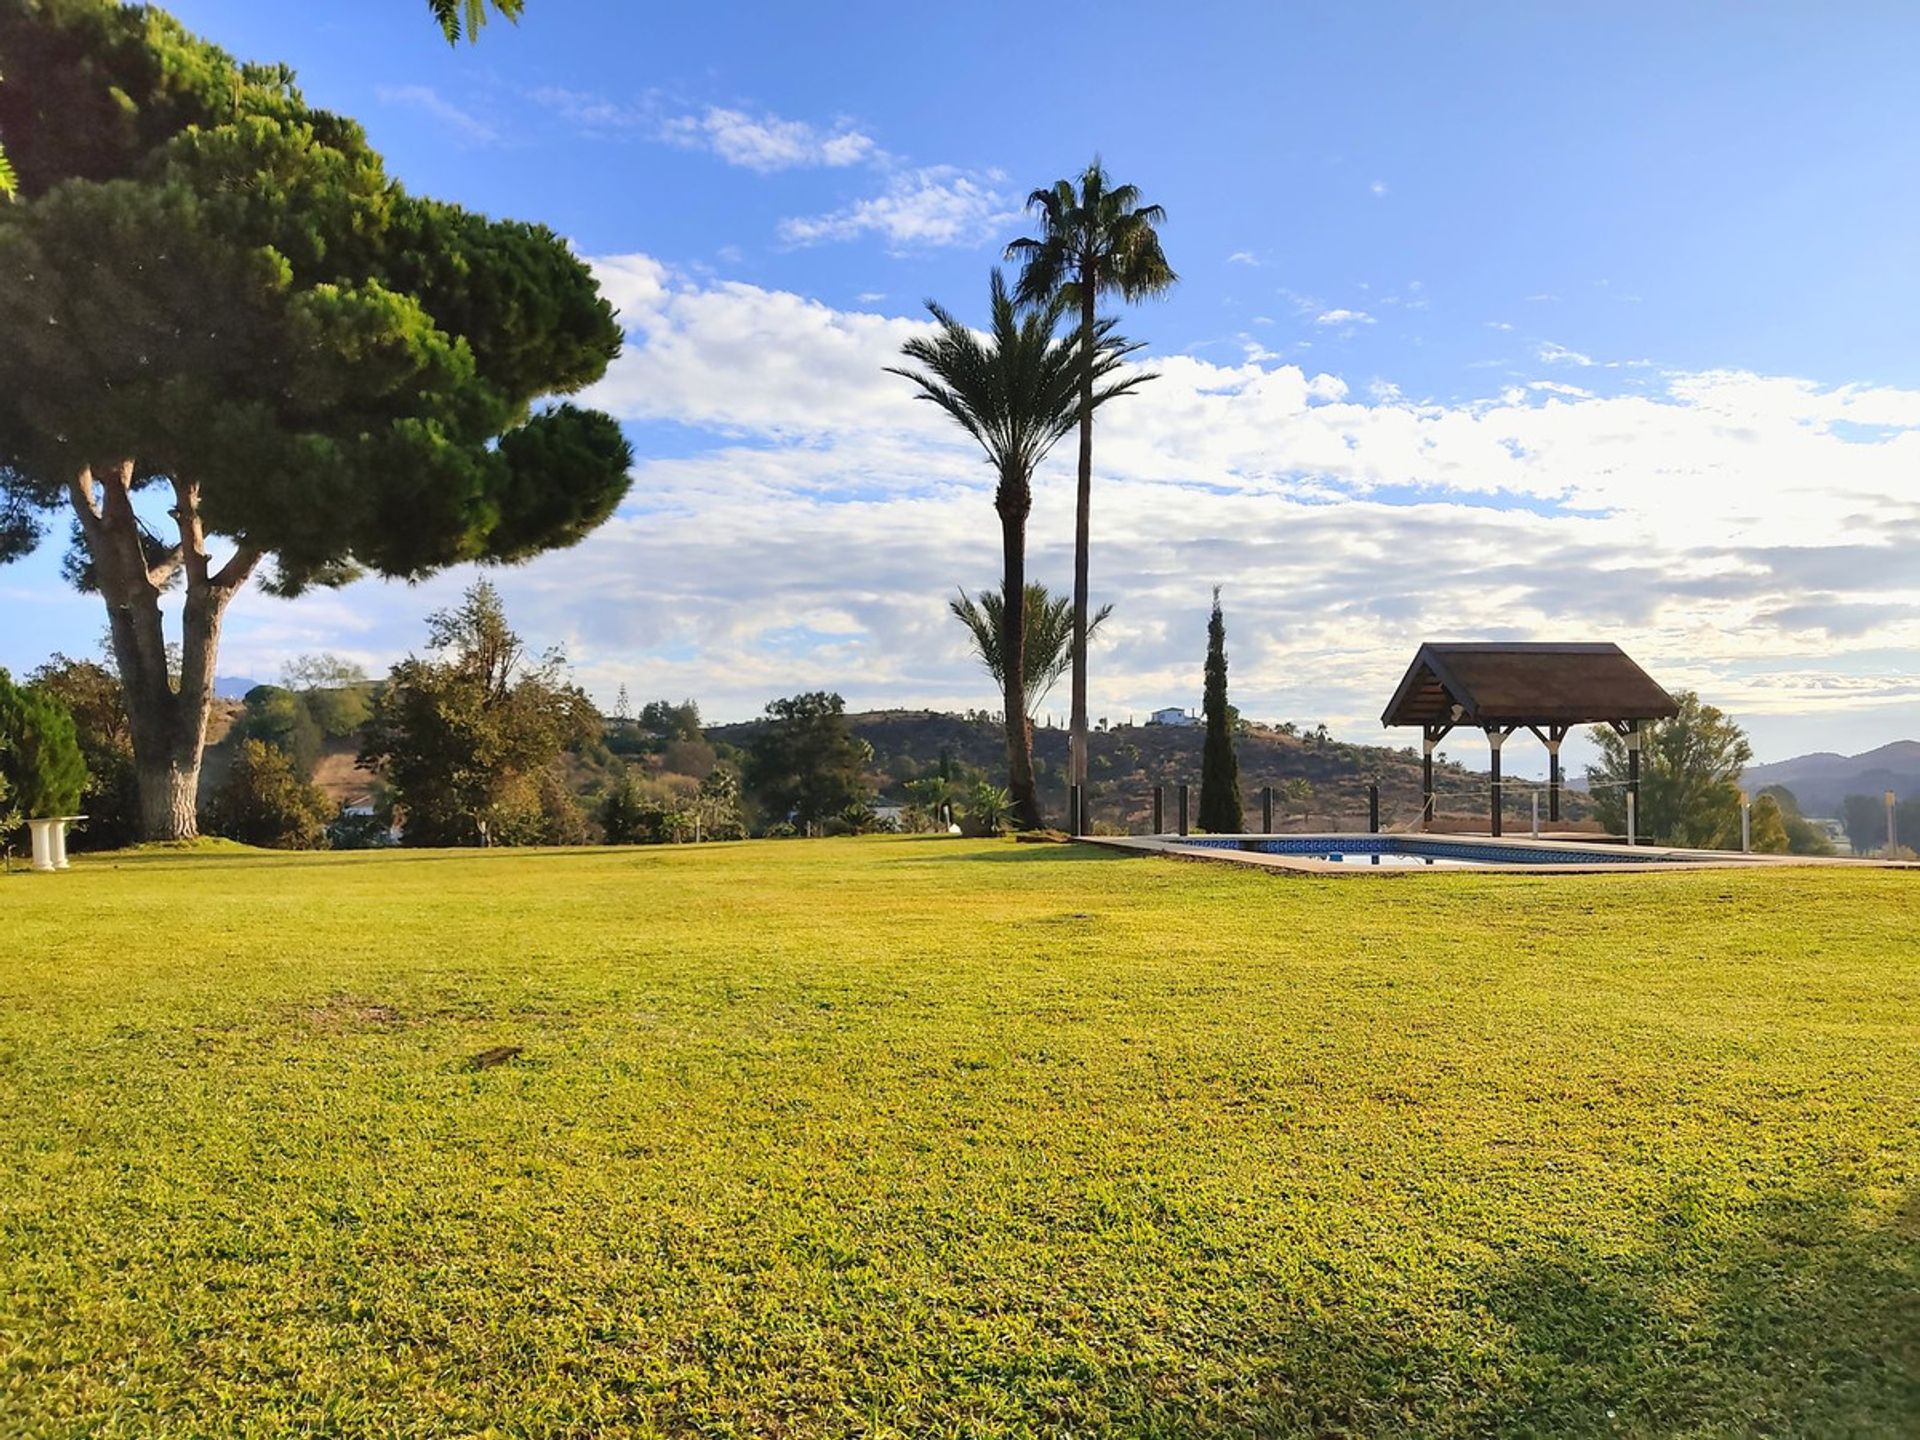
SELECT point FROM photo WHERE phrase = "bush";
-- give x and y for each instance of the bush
(265, 802)
(40, 757)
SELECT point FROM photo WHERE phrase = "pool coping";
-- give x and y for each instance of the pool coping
(1672, 860)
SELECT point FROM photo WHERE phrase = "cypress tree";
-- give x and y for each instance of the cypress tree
(1219, 770)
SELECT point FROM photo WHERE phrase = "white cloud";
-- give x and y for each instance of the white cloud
(1343, 317)
(1378, 187)
(1551, 354)
(767, 142)
(936, 205)
(1243, 257)
(1755, 537)
(1498, 325)
(424, 98)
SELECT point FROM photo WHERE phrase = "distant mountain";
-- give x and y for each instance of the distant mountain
(1822, 780)
(232, 687)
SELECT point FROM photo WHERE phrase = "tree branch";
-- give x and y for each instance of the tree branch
(234, 573)
(192, 548)
(80, 491)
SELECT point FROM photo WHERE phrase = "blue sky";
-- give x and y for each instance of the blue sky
(1493, 320)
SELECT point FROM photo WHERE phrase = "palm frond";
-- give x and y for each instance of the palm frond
(456, 17)
(1047, 644)
(9, 182)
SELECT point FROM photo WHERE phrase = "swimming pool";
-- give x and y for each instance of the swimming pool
(1410, 851)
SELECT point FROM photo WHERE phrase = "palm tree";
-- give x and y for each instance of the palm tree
(1017, 390)
(1096, 239)
(449, 14)
(1047, 624)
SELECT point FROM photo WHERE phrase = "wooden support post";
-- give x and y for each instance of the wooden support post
(1076, 819)
(1373, 809)
(1183, 809)
(1555, 734)
(1266, 809)
(1495, 738)
(1159, 809)
(1633, 781)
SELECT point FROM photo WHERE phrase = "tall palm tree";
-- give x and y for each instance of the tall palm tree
(1048, 628)
(1016, 390)
(1095, 239)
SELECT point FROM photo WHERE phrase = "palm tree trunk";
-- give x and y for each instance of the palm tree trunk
(1014, 501)
(1082, 545)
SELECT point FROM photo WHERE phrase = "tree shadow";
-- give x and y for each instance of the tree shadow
(1804, 1322)
(1022, 854)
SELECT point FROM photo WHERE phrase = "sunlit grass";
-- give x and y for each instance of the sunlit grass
(929, 1137)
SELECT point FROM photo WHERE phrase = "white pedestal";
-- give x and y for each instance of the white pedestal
(42, 832)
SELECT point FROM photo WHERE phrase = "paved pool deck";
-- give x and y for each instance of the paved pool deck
(1582, 859)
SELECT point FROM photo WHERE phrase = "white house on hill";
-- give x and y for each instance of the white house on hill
(1172, 715)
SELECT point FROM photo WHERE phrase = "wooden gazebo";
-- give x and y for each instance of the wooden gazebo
(1507, 686)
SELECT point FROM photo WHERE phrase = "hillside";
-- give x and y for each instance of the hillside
(1127, 761)
(1822, 780)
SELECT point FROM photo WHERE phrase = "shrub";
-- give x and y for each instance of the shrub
(264, 801)
(39, 753)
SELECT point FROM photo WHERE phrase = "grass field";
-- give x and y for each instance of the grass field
(930, 1137)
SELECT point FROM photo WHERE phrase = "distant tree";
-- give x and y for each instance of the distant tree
(280, 718)
(1047, 629)
(1017, 390)
(461, 738)
(622, 705)
(671, 722)
(806, 765)
(40, 757)
(211, 290)
(1864, 818)
(336, 693)
(1689, 777)
(1096, 239)
(718, 806)
(264, 800)
(1297, 794)
(91, 693)
(1219, 767)
(1767, 826)
(1803, 836)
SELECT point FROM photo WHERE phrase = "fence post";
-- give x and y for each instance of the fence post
(1159, 808)
(1893, 837)
(1746, 824)
(1536, 814)
(1266, 809)
(1631, 807)
(1183, 808)
(1373, 809)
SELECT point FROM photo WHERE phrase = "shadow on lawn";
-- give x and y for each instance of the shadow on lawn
(1021, 854)
(1805, 1323)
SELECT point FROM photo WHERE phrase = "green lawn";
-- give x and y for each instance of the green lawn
(930, 1137)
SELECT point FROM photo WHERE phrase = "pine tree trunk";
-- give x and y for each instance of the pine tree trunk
(166, 713)
(169, 796)
(1082, 543)
(1014, 501)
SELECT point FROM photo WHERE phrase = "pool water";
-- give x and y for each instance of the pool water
(1424, 851)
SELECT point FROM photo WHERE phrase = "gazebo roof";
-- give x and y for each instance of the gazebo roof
(1515, 683)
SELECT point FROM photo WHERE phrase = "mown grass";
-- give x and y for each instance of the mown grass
(929, 1137)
